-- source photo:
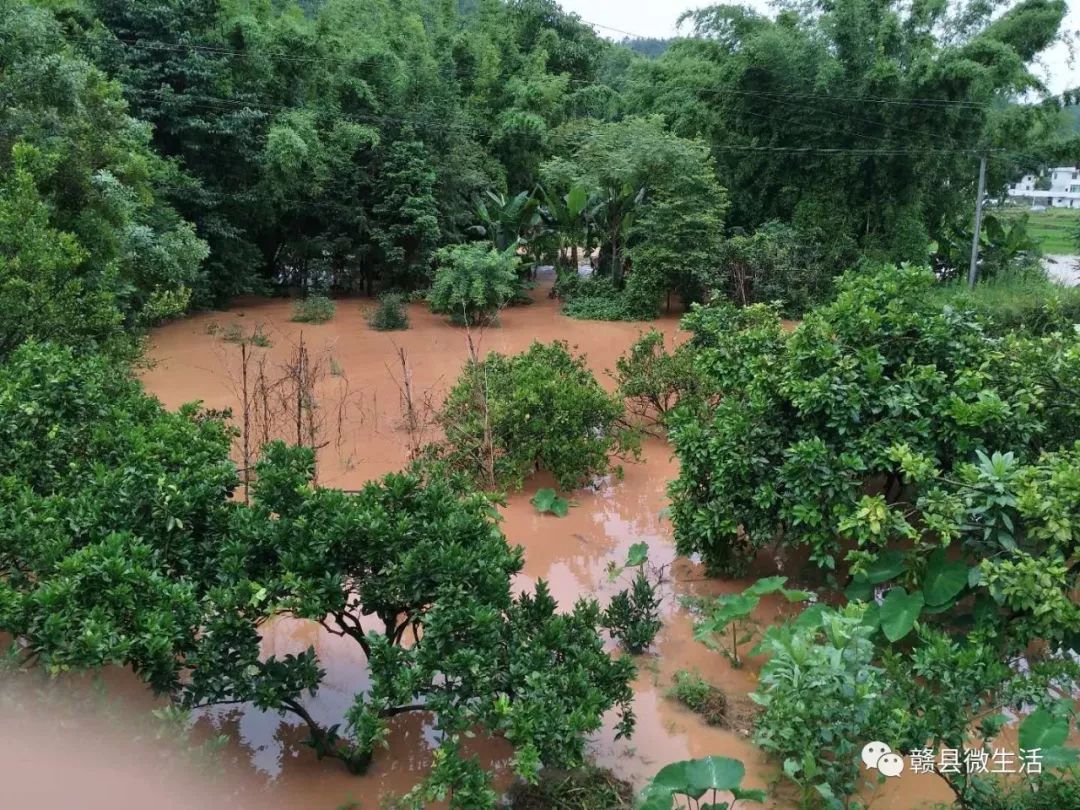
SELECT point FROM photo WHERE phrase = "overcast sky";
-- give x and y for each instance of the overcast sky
(656, 18)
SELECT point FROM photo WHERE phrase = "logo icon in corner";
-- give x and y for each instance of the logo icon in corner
(880, 757)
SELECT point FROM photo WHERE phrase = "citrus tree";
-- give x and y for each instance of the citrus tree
(120, 543)
(931, 471)
(509, 416)
(801, 446)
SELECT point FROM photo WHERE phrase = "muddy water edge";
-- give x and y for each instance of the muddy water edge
(366, 437)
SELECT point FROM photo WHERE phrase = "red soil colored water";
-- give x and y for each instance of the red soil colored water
(572, 553)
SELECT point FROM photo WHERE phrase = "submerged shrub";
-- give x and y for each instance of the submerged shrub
(473, 282)
(781, 263)
(508, 417)
(633, 616)
(588, 788)
(653, 380)
(598, 299)
(313, 309)
(390, 315)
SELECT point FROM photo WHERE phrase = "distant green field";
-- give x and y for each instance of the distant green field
(1054, 229)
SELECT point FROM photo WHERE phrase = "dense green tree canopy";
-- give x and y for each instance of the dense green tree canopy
(864, 118)
(339, 145)
(81, 197)
(120, 544)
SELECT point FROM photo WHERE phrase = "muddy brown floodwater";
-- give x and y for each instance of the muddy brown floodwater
(192, 362)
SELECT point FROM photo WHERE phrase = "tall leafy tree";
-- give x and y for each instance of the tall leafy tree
(406, 228)
(862, 118)
(76, 162)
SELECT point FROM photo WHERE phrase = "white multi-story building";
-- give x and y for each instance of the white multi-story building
(1064, 191)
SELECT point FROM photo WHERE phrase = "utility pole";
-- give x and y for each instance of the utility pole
(973, 271)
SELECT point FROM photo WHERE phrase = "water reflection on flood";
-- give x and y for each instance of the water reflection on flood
(573, 554)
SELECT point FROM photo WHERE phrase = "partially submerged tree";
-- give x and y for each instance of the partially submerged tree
(160, 570)
(473, 282)
(932, 469)
(508, 417)
(417, 573)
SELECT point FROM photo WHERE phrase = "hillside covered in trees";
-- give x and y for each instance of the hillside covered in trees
(189, 151)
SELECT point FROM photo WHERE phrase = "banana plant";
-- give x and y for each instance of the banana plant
(612, 211)
(506, 220)
(564, 216)
(1001, 244)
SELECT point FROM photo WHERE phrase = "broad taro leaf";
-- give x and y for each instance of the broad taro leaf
(899, 612)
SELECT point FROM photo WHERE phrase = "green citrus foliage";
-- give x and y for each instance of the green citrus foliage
(862, 689)
(473, 283)
(808, 421)
(74, 433)
(633, 617)
(653, 380)
(508, 417)
(931, 465)
(159, 569)
(821, 694)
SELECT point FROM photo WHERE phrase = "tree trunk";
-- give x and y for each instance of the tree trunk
(616, 259)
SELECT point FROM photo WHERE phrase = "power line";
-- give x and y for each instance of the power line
(850, 150)
(861, 99)
(616, 30)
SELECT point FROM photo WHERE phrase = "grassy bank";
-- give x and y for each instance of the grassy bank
(1054, 229)
(1018, 302)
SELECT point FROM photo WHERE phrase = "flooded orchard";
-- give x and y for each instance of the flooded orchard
(366, 434)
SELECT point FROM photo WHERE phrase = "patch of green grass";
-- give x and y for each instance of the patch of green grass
(584, 789)
(1011, 303)
(700, 697)
(233, 333)
(1055, 229)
